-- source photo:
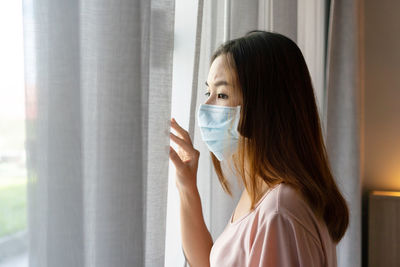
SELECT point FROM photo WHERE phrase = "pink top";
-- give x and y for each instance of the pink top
(281, 231)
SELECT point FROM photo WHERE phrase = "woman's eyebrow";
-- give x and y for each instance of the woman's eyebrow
(219, 83)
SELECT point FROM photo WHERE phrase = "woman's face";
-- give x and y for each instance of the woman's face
(222, 86)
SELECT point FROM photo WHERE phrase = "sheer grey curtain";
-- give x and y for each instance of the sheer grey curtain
(98, 82)
(343, 117)
(328, 34)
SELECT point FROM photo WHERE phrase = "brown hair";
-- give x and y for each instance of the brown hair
(280, 130)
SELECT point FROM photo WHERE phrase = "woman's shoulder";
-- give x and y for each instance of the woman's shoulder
(282, 198)
(286, 201)
(284, 219)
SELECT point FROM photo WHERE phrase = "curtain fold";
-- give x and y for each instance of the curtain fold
(343, 116)
(98, 84)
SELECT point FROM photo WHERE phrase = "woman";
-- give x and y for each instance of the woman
(261, 114)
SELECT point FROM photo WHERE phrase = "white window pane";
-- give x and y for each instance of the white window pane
(13, 206)
(184, 46)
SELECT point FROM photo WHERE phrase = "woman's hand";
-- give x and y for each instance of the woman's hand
(185, 160)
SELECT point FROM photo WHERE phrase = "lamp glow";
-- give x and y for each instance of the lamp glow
(386, 193)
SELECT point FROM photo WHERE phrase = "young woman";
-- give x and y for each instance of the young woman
(260, 114)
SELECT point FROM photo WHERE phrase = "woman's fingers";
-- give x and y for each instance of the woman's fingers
(185, 158)
(175, 158)
(182, 143)
(182, 132)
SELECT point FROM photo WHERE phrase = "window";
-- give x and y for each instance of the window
(13, 205)
(184, 46)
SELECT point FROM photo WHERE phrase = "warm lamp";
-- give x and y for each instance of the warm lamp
(386, 193)
(384, 229)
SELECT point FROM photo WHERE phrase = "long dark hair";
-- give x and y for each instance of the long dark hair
(281, 136)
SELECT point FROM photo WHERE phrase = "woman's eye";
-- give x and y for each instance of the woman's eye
(223, 96)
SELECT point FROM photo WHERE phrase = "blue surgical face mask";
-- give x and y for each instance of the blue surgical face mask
(218, 128)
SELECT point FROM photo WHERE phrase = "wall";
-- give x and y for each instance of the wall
(381, 102)
(382, 95)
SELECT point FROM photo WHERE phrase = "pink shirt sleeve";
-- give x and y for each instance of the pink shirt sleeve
(282, 241)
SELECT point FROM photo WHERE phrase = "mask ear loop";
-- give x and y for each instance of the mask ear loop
(227, 150)
(229, 160)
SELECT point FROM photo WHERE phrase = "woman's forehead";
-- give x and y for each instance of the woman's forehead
(220, 71)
